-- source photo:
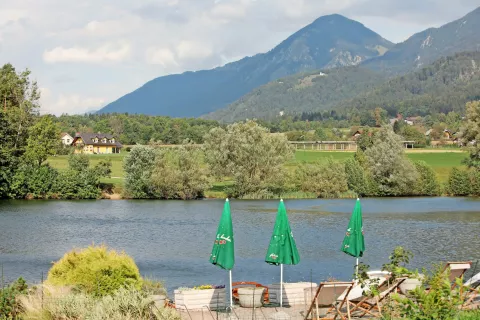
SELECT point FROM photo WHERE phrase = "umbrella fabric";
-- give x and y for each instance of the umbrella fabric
(282, 248)
(353, 243)
(223, 254)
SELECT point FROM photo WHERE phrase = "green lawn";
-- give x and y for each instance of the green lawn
(61, 163)
(441, 162)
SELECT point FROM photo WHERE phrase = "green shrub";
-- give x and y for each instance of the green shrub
(180, 174)
(138, 166)
(427, 183)
(325, 180)
(458, 183)
(475, 182)
(9, 307)
(438, 302)
(126, 303)
(356, 177)
(35, 182)
(95, 270)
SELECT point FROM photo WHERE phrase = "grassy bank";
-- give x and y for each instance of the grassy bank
(442, 162)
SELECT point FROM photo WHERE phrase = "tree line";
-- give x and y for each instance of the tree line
(255, 165)
(27, 140)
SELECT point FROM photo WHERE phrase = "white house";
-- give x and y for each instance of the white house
(66, 139)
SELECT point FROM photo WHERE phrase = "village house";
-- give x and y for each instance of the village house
(66, 139)
(96, 143)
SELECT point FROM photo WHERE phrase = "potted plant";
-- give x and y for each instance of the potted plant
(251, 297)
(200, 297)
(293, 293)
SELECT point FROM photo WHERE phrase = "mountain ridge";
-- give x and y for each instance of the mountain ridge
(329, 41)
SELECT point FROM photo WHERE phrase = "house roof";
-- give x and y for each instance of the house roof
(88, 138)
(63, 134)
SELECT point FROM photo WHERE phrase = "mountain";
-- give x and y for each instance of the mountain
(425, 47)
(444, 86)
(306, 92)
(330, 41)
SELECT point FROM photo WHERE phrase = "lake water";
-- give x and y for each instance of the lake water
(172, 240)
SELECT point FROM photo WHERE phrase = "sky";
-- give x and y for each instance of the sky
(85, 54)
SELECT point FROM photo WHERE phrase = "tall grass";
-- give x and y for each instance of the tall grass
(54, 303)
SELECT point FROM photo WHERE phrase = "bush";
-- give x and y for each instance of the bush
(126, 303)
(325, 180)
(9, 307)
(138, 166)
(438, 302)
(95, 270)
(391, 171)
(180, 174)
(458, 183)
(475, 182)
(427, 183)
(35, 182)
(356, 177)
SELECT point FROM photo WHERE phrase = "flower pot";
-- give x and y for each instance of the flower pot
(159, 300)
(251, 297)
(200, 299)
(410, 284)
(293, 293)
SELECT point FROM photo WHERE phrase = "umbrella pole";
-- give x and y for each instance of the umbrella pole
(231, 292)
(356, 273)
(281, 285)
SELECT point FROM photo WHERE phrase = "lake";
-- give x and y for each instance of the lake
(172, 240)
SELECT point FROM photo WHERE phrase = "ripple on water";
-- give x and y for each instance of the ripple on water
(171, 240)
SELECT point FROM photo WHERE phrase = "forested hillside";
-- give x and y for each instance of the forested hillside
(444, 86)
(312, 91)
(330, 41)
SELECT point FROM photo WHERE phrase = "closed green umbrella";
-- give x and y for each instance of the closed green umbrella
(354, 243)
(282, 249)
(223, 253)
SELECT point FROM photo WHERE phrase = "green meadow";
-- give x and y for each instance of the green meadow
(441, 162)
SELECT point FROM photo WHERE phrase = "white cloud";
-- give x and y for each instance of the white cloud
(69, 103)
(111, 48)
(161, 56)
(107, 53)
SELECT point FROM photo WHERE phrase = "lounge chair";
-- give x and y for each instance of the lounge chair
(326, 296)
(457, 270)
(371, 306)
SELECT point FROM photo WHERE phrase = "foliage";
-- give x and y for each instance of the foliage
(439, 302)
(153, 287)
(427, 183)
(42, 141)
(471, 134)
(399, 259)
(248, 153)
(326, 180)
(126, 303)
(81, 181)
(9, 307)
(356, 177)
(95, 270)
(458, 183)
(133, 129)
(19, 108)
(475, 182)
(391, 171)
(138, 166)
(411, 133)
(33, 182)
(180, 174)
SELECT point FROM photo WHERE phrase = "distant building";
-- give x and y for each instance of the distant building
(66, 139)
(96, 143)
